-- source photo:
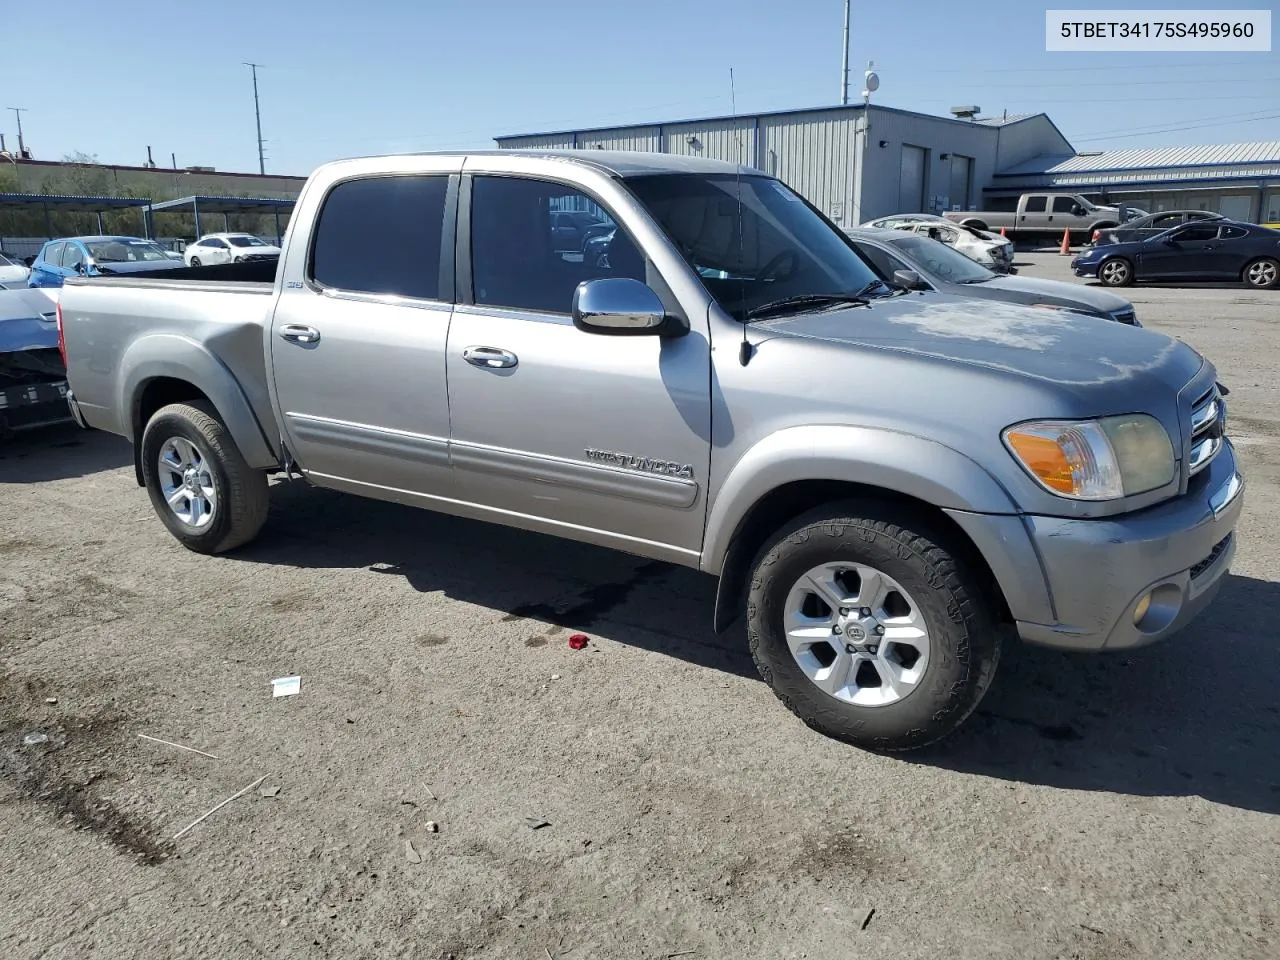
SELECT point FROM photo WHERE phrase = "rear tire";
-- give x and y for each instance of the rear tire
(1262, 274)
(208, 497)
(1115, 272)
(876, 684)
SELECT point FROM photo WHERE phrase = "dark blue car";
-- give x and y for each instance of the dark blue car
(1212, 250)
(96, 257)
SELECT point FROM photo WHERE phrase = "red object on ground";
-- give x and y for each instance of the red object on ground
(578, 641)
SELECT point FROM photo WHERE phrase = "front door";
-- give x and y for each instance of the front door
(1183, 253)
(359, 334)
(605, 438)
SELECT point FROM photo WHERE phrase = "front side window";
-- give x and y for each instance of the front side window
(1196, 233)
(53, 254)
(886, 263)
(1064, 204)
(941, 261)
(518, 262)
(381, 235)
(752, 240)
(72, 257)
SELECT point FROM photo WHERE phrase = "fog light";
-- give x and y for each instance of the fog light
(1141, 609)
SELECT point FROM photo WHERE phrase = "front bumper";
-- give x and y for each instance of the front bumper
(1081, 269)
(1099, 571)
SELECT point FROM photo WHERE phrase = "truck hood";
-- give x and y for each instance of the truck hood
(1070, 350)
(1054, 291)
(138, 266)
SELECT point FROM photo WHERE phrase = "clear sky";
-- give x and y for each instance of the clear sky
(344, 78)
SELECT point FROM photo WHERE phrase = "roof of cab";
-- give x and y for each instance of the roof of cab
(621, 163)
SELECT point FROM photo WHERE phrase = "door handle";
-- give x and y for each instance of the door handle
(492, 357)
(297, 333)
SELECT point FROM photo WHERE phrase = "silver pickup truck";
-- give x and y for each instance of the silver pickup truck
(1047, 215)
(887, 482)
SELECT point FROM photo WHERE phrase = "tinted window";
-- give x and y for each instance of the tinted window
(1191, 234)
(884, 262)
(1232, 233)
(1063, 204)
(381, 235)
(1036, 204)
(53, 254)
(515, 262)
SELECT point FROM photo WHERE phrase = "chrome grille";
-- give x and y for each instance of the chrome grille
(1208, 436)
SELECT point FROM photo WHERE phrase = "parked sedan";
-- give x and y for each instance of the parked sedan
(13, 273)
(95, 257)
(1151, 225)
(1213, 250)
(988, 249)
(939, 267)
(228, 248)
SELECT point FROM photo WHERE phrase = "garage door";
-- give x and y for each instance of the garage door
(1236, 208)
(911, 187)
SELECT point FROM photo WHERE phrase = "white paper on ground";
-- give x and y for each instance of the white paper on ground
(286, 686)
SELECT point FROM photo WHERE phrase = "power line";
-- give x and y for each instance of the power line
(1149, 83)
(1195, 126)
(1228, 117)
(1097, 69)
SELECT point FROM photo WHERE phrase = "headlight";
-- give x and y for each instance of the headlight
(1094, 459)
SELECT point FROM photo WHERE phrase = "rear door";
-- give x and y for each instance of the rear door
(1227, 256)
(1034, 215)
(44, 269)
(358, 336)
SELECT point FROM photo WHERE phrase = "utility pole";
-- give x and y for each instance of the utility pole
(262, 163)
(844, 64)
(22, 146)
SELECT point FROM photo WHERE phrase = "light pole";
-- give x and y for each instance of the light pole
(22, 145)
(257, 114)
(844, 62)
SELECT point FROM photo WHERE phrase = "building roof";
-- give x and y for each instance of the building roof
(1148, 158)
(69, 204)
(747, 117)
(222, 204)
(157, 169)
(1005, 119)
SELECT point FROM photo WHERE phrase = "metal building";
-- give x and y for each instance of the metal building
(1238, 180)
(853, 162)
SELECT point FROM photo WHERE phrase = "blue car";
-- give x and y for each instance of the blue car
(96, 257)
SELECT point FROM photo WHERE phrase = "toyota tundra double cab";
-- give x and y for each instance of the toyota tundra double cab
(889, 483)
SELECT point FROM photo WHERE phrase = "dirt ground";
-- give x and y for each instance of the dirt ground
(1097, 807)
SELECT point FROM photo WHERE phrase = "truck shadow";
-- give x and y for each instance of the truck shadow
(59, 452)
(554, 586)
(1194, 716)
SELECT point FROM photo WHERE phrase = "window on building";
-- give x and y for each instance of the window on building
(382, 235)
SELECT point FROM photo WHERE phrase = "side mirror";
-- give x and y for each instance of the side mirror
(1078, 210)
(81, 269)
(621, 307)
(909, 280)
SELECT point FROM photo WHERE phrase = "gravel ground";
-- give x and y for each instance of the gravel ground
(1096, 807)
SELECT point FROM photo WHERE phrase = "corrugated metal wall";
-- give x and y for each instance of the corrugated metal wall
(623, 138)
(716, 139)
(813, 153)
(554, 142)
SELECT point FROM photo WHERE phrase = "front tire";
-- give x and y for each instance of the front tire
(195, 261)
(199, 483)
(1262, 274)
(1115, 272)
(918, 642)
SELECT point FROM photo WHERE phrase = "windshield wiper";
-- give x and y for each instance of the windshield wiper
(977, 279)
(806, 301)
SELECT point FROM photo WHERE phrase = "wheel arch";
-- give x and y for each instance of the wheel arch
(165, 368)
(804, 468)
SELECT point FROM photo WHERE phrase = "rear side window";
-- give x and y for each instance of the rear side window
(1232, 233)
(1036, 204)
(381, 235)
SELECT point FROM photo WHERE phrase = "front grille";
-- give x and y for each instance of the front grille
(1212, 558)
(1208, 434)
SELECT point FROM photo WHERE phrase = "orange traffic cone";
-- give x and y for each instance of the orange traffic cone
(1065, 249)
(1002, 233)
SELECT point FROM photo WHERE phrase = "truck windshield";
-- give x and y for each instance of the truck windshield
(753, 241)
(940, 261)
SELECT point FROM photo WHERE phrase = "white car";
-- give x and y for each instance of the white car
(13, 273)
(228, 248)
(992, 251)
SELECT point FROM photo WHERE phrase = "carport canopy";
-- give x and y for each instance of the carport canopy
(49, 204)
(202, 206)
